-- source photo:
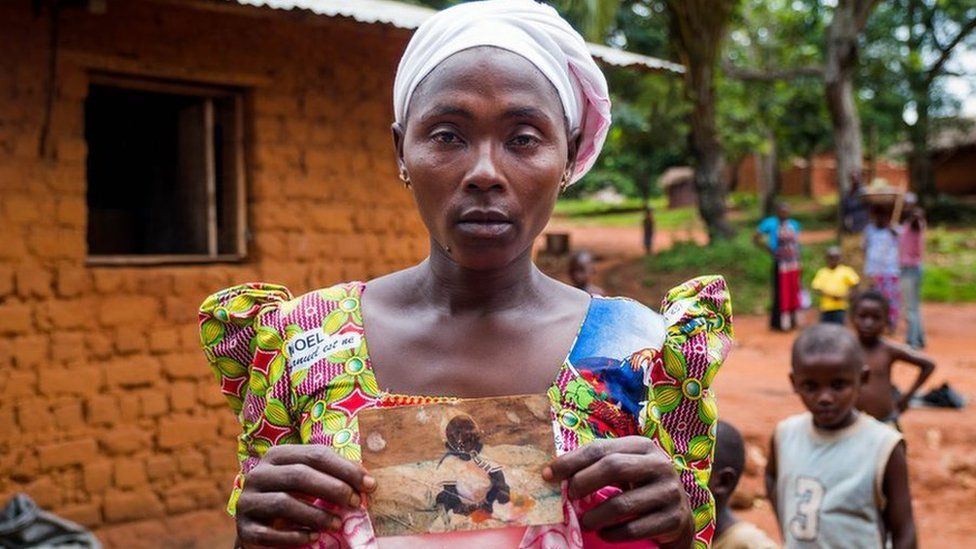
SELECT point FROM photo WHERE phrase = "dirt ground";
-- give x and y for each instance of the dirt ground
(754, 394)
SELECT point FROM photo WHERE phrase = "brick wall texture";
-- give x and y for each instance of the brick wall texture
(109, 415)
(955, 170)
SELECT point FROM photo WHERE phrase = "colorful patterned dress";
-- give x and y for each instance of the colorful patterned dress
(297, 370)
(882, 268)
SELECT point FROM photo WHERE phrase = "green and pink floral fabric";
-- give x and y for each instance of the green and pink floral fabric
(297, 371)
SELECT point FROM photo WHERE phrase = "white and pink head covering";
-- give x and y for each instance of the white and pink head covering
(531, 30)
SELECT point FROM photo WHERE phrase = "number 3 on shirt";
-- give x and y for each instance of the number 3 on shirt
(805, 524)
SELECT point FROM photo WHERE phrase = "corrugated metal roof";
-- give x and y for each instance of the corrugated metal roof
(622, 58)
(398, 14)
(406, 16)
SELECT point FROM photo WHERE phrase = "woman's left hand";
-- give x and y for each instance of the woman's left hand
(653, 504)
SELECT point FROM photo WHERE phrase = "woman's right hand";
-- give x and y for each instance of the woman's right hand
(275, 508)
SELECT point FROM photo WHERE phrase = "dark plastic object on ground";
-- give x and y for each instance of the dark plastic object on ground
(23, 524)
(944, 397)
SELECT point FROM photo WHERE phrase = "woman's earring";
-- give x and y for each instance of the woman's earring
(405, 177)
(564, 182)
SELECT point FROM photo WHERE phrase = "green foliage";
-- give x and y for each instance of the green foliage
(650, 131)
(650, 122)
(949, 271)
(904, 40)
(649, 111)
(950, 284)
(742, 264)
(766, 36)
(952, 211)
(595, 19)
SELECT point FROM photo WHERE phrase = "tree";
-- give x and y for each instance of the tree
(934, 30)
(840, 64)
(649, 110)
(767, 110)
(698, 30)
(594, 18)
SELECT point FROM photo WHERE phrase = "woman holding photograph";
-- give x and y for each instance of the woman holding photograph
(499, 107)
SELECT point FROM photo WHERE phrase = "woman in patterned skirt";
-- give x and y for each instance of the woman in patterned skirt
(779, 235)
(498, 108)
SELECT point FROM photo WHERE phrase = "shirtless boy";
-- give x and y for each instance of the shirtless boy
(869, 314)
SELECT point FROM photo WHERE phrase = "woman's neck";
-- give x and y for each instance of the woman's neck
(453, 288)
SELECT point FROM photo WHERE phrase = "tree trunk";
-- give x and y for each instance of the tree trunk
(841, 61)
(808, 175)
(768, 178)
(734, 173)
(644, 187)
(698, 30)
(922, 180)
(872, 154)
(919, 161)
(710, 160)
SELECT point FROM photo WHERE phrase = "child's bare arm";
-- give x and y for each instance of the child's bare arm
(771, 476)
(898, 517)
(925, 365)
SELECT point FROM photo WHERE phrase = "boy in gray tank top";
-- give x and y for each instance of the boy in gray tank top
(836, 477)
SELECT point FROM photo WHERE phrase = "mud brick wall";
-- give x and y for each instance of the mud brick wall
(822, 175)
(108, 412)
(955, 170)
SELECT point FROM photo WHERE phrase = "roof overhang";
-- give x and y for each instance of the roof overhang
(409, 17)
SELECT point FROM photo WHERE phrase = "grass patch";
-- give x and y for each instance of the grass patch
(949, 274)
(584, 207)
(746, 269)
(582, 212)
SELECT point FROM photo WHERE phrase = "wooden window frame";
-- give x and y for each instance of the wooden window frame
(236, 162)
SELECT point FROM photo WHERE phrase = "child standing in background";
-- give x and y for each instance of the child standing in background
(868, 313)
(881, 261)
(648, 229)
(730, 458)
(837, 477)
(834, 283)
(581, 272)
(911, 245)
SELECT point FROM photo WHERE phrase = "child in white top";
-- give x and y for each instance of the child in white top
(837, 477)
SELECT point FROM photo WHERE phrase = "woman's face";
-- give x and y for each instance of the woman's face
(486, 147)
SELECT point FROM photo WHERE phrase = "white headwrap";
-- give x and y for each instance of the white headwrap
(531, 30)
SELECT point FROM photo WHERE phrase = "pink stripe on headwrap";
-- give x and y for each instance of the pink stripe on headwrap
(534, 31)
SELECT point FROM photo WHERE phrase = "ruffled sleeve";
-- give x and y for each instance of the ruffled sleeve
(681, 414)
(243, 348)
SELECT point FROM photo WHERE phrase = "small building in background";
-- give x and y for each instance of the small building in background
(953, 157)
(678, 182)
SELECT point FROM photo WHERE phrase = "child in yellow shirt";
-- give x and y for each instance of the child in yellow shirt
(834, 283)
